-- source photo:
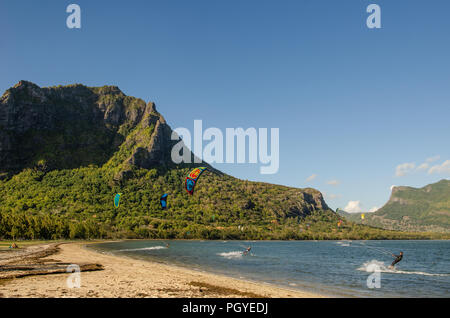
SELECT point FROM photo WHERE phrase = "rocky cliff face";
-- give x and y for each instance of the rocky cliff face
(415, 209)
(76, 125)
(157, 150)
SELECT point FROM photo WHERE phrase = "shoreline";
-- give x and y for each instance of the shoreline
(198, 270)
(117, 276)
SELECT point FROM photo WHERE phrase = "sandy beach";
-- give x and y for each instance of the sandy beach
(40, 271)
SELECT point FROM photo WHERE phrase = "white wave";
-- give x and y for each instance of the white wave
(143, 249)
(231, 255)
(343, 243)
(374, 264)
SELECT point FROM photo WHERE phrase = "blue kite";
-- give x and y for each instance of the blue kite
(117, 200)
(163, 201)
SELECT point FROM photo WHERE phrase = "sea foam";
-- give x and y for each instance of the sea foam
(370, 266)
(143, 249)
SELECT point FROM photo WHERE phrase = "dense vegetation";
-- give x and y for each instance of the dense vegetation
(78, 204)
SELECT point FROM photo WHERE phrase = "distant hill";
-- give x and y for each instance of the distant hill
(412, 209)
(343, 213)
(354, 217)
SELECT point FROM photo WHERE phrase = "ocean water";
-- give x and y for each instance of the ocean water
(334, 268)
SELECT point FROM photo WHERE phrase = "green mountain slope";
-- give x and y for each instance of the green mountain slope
(411, 209)
(65, 151)
(354, 217)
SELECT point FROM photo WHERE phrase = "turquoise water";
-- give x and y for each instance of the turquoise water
(335, 268)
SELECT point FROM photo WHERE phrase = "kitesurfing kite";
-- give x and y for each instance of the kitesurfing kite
(163, 201)
(191, 179)
(117, 200)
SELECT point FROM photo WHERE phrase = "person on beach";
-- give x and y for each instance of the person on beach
(397, 259)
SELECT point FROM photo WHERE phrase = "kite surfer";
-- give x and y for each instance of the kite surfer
(397, 259)
(247, 250)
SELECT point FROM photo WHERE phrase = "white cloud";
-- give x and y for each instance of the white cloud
(333, 182)
(353, 207)
(404, 169)
(433, 159)
(373, 209)
(409, 167)
(311, 177)
(423, 166)
(440, 169)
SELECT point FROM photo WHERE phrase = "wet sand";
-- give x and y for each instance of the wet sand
(40, 271)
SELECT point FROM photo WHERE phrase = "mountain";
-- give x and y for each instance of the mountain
(65, 152)
(344, 213)
(354, 217)
(75, 126)
(411, 209)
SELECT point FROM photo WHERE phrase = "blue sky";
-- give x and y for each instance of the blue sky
(351, 103)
